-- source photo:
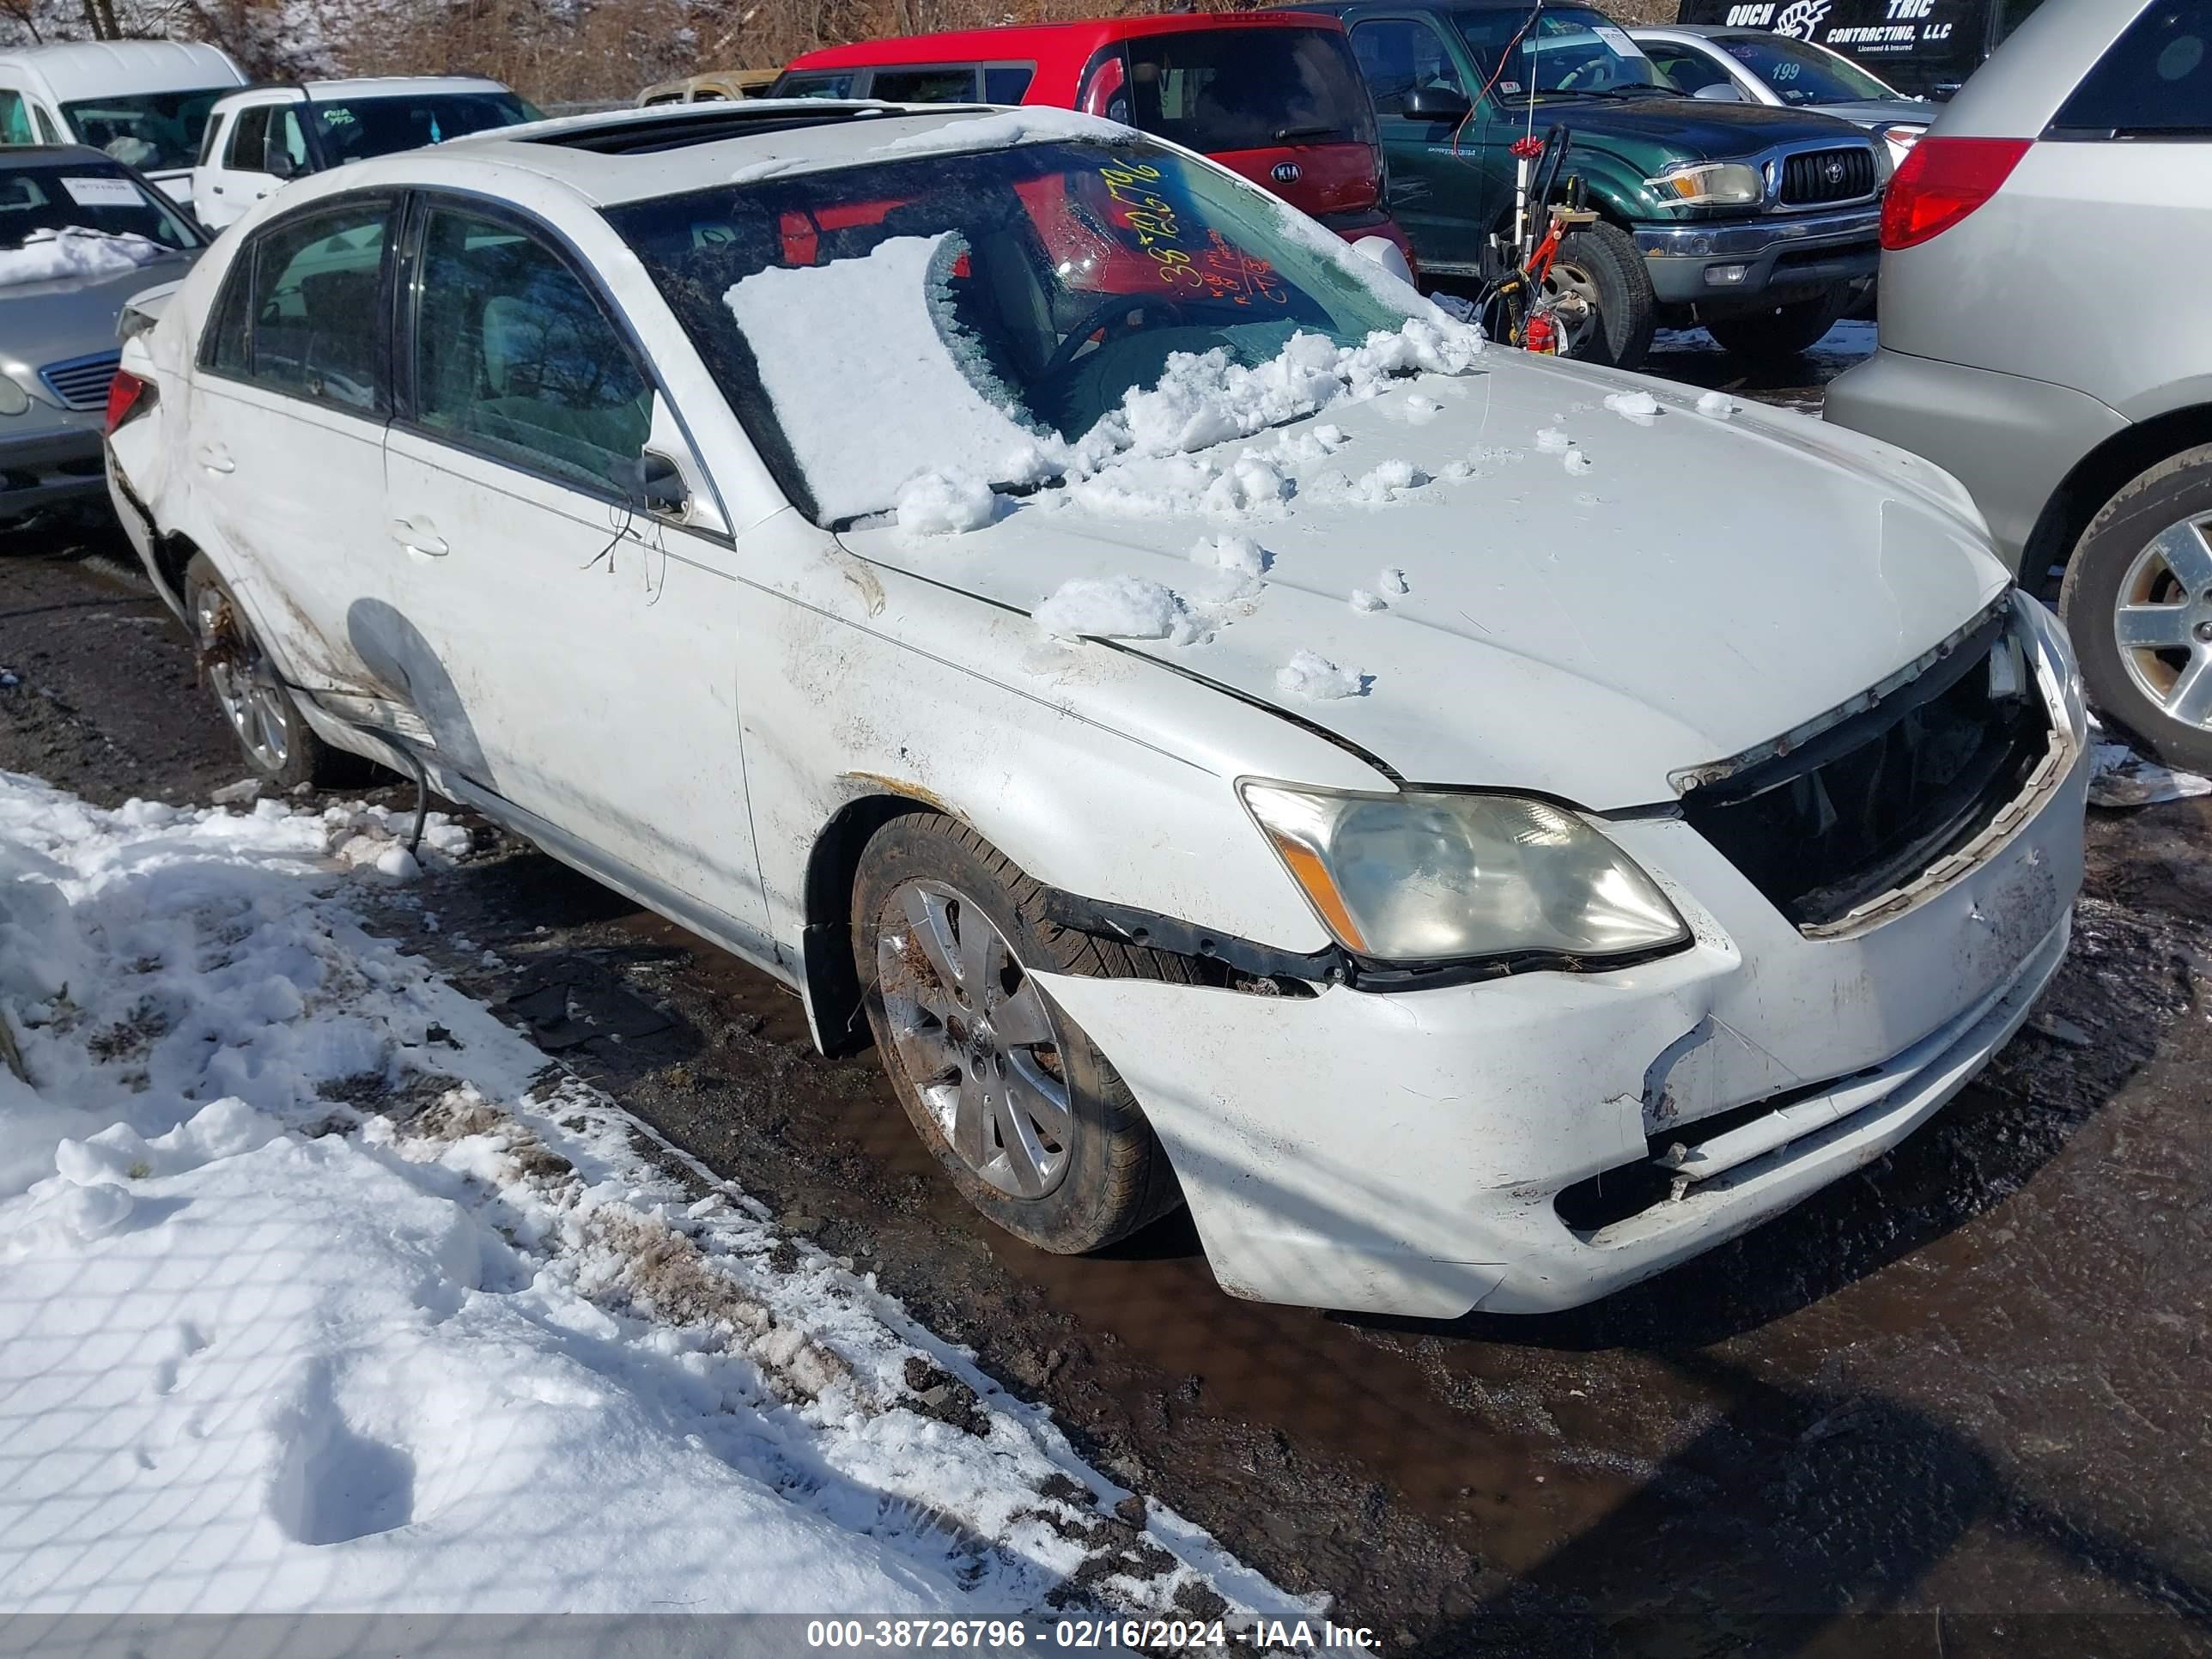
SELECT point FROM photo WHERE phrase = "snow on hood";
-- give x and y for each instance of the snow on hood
(49, 256)
(1664, 590)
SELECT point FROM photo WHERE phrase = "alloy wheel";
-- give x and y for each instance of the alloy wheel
(975, 1038)
(1573, 293)
(2163, 621)
(245, 681)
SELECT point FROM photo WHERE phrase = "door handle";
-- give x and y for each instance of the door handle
(217, 189)
(215, 458)
(419, 537)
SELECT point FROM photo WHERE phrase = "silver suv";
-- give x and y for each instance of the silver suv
(2045, 337)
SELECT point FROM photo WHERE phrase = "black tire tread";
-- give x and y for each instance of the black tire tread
(2097, 562)
(1627, 307)
(1140, 1184)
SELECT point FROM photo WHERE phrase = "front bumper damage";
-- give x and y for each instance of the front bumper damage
(1540, 1140)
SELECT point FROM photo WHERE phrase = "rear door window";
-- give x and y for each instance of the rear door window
(1004, 83)
(1222, 90)
(49, 131)
(2154, 81)
(315, 328)
(935, 83)
(14, 118)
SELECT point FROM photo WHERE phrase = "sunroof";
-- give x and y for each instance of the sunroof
(703, 123)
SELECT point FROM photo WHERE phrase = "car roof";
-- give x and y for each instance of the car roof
(615, 157)
(1702, 31)
(1025, 40)
(366, 86)
(90, 69)
(67, 155)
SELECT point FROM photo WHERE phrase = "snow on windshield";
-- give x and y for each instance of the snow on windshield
(49, 255)
(822, 332)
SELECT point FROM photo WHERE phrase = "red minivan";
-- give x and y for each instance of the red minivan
(1276, 96)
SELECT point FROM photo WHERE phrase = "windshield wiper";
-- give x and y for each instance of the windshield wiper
(1314, 130)
(1637, 91)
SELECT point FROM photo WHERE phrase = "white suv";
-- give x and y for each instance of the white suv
(2078, 413)
(1226, 736)
(258, 140)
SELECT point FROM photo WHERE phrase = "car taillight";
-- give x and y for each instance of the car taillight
(1941, 181)
(128, 397)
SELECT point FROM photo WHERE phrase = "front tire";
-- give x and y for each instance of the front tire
(1781, 331)
(277, 742)
(1027, 1117)
(2137, 599)
(1599, 267)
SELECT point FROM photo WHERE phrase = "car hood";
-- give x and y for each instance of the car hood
(1881, 111)
(1698, 129)
(1705, 585)
(74, 316)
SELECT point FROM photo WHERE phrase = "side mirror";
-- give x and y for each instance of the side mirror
(278, 164)
(1435, 104)
(1720, 91)
(655, 486)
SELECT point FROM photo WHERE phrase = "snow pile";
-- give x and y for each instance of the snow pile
(1037, 126)
(48, 256)
(1378, 487)
(945, 503)
(1240, 553)
(1638, 406)
(1552, 441)
(1114, 608)
(1315, 678)
(1206, 398)
(1717, 405)
(1392, 581)
(819, 332)
(1365, 602)
(1575, 461)
(326, 1293)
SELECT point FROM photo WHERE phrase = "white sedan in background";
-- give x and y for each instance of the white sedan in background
(1477, 828)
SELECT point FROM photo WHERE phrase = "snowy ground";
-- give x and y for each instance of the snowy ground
(320, 1289)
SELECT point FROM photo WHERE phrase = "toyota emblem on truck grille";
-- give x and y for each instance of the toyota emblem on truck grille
(1286, 173)
(1833, 173)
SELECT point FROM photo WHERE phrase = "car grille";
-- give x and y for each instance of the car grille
(1871, 803)
(82, 382)
(1826, 175)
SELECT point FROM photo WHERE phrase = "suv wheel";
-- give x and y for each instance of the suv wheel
(278, 743)
(2137, 599)
(1779, 331)
(1030, 1122)
(1602, 277)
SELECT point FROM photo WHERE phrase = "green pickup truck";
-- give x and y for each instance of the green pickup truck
(1759, 223)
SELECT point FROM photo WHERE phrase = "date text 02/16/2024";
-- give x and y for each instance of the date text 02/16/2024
(1012, 1636)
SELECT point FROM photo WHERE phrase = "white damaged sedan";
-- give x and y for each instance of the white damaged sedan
(1478, 829)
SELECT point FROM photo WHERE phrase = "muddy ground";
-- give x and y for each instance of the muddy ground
(1956, 1405)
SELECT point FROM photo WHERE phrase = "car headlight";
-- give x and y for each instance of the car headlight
(1711, 184)
(14, 400)
(1436, 877)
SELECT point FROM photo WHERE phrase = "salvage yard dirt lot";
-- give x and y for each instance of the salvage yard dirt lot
(1956, 1405)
